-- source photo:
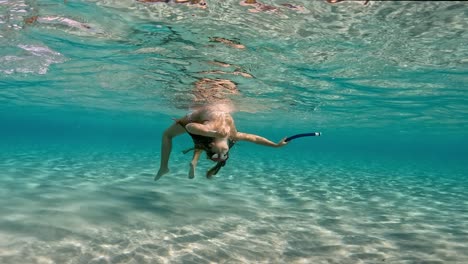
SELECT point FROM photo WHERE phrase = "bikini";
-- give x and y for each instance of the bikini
(200, 142)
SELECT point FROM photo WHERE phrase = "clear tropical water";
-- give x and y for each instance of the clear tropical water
(87, 87)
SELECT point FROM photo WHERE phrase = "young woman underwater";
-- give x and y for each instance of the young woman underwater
(212, 130)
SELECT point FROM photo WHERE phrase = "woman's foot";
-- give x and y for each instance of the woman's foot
(191, 173)
(161, 172)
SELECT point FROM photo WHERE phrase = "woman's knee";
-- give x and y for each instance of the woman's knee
(172, 132)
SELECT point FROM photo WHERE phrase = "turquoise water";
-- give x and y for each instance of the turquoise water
(87, 88)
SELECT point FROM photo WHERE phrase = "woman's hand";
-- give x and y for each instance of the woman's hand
(281, 143)
(221, 132)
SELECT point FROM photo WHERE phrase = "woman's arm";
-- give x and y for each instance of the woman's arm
(258, 140)
(204, 130)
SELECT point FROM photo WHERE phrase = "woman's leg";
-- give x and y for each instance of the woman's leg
(193, 164)
(166, 147)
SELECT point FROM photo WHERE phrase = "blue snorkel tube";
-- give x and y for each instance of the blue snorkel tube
(313, 134)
